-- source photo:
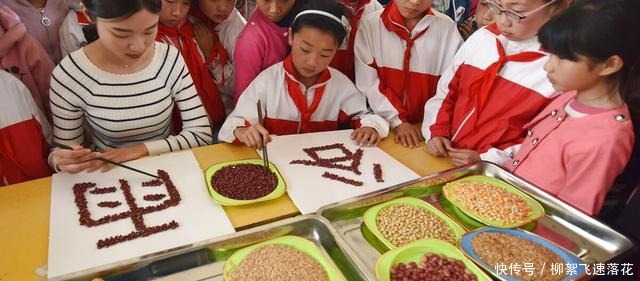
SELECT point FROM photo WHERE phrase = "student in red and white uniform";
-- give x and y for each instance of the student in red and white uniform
(495, 85)
(302, 94)
(24, 134)
(401, 51)
(579, 144)
(216, 26)
(72, 36)
(344, 59)
(175, 29)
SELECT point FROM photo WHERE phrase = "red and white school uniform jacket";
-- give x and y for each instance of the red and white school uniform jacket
(344, 58)
(398, 80)
(71, 35)
(183, 39)
(334, 101)
(519, 92)
(220, 61)
(24, 132)
(573, 155)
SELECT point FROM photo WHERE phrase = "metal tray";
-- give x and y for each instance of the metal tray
(589, 239)
(205, 260)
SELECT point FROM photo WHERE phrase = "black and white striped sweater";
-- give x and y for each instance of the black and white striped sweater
(123, 110)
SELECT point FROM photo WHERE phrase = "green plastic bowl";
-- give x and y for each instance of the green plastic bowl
(296, 242)
(372, 213)
(226, 201)
(536, 209)
(414, 251)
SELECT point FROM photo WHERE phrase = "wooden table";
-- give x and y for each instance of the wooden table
(24, 207)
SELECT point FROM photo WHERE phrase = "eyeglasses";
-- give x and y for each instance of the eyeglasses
(514, 16)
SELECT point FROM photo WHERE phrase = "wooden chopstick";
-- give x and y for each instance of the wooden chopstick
(56, 144)
(265, 156)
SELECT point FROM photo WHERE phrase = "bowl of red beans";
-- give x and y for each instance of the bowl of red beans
(243, 182)
(427, 260)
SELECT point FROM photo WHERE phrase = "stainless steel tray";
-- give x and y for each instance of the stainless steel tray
(591, 240)
(205, 260)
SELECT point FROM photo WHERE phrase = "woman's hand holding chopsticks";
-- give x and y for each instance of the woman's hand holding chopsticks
(123, 154)
(74, 160)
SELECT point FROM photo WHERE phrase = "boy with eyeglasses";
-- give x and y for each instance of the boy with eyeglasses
(495, 85)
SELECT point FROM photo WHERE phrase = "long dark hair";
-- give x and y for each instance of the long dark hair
(597, 30)
(115, 9)
(321, 22)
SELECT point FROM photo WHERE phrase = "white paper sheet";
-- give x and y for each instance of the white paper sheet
(305, 184)
(72, 247)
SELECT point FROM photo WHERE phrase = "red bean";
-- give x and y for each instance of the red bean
(135, 212)
(432, 267)
(244, 181)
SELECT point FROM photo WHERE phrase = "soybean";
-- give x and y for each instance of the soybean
(402, 224)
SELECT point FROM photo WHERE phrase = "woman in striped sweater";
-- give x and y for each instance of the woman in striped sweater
(123, 87)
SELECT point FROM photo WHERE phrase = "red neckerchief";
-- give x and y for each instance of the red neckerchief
(298, 98)
(391, 18)
(200, 75)
(82, 19)
(354, 19)
(218, 50)
(482, 87)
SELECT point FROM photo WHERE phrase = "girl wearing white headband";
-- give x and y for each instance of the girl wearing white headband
(302, 94)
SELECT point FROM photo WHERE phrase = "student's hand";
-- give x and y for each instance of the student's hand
(366, 136)
(204, 38)
(408, 135)
(254, 136)
(439, 146)
(120, 155)
(73, 161)
(461, 156)
(466, 28)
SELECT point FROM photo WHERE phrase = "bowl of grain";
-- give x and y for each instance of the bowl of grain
(492, 202)
(515, 254)
(401, 221)
(427, 259)
(286, 258)
(243, 182)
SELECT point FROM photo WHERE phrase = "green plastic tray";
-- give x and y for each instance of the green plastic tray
(414, 251)
(536, 209)
(296, 242)
(371, 214)
(226, 201)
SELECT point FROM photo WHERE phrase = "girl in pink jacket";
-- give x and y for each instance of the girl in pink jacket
(580, 142)
(262, 42)
(22, 56)
(43, 20)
